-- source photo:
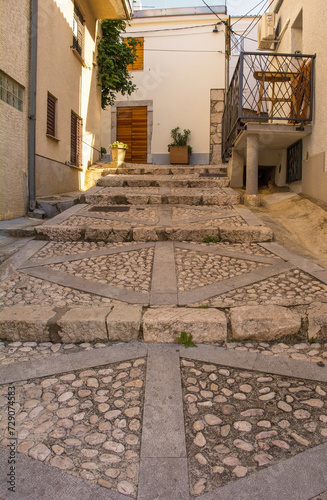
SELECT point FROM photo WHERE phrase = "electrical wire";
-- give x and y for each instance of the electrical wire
(183, 50)
(247, 14)
(208, 6)
(173, 29)
(258, 17)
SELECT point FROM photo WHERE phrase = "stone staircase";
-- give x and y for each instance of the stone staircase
(157, 203)
(153, 251)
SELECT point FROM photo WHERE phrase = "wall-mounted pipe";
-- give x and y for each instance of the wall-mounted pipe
(32, 114)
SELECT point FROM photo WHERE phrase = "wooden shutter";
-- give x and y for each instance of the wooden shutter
(76, 140)
(139, 62)
(51, 115)
(78, 30)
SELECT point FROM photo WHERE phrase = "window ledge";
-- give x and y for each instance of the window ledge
(73, 166)
(79, 57)
(53, 137)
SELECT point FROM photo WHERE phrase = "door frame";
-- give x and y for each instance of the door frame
(134, 104)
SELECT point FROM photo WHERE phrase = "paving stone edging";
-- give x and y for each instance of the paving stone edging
(130, 322)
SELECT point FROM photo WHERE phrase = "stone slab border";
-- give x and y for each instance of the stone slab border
(301, 477)
(35, 480)
(297, 261)
(10, 265)
(163, 465)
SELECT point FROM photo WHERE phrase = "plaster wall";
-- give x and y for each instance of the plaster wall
(14, 61)
(73, 83)
(181, 66)
(312, 41)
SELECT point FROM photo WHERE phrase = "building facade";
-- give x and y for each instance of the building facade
(304, 30)
(14, 107)
(180, 76)
(278, 130)
(50, 104)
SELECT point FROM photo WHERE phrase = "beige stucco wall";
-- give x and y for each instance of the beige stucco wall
(14, 60)
(314, 182)
(180, 69)
(62, 73)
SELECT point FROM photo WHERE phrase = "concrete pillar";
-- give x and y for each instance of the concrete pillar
(251, 198)
(252, 148)
(235, 170)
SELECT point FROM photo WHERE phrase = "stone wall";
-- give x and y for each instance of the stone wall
(217, 97)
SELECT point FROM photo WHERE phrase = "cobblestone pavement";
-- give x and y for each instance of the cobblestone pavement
(96, 422)
(87, 423)
(238, 422)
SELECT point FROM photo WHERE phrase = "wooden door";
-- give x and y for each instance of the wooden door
(132, 124)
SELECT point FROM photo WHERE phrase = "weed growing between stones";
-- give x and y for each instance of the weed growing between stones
(186, 339)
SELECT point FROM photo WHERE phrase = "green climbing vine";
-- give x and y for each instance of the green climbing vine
(114, 55)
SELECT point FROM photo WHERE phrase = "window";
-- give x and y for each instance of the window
(76, 140)
(78, 31)
(138, 63)
(51, 115)
(11, 91)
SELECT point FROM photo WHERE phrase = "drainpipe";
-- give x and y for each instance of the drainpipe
(32, 114)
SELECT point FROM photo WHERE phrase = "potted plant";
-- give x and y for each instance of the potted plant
(179, 150)
(118, 152)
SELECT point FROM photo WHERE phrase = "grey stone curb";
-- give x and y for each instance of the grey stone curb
(36, 480)
(10, 265)
(298, 478)
(59, 219)
(256, 362)
(297, 261)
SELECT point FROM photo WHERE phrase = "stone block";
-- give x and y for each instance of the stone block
(252, 200)
(84, 324)
(145, 234)
(29, 323)
(59, 233)
(191, 234)
(317, 320)
(217, 94)
(124, 322)
(264, 323)
(108, 233)
(167, 323)
(246, 234)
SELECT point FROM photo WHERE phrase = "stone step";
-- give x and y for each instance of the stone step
(129, 322)
(125, 232)
(157, 195)
(173, 181)
(136, 169)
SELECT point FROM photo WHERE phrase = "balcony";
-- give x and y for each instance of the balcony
(269, 104)
(112, 9)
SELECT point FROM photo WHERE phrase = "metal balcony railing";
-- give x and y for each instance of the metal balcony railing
(265, 88)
